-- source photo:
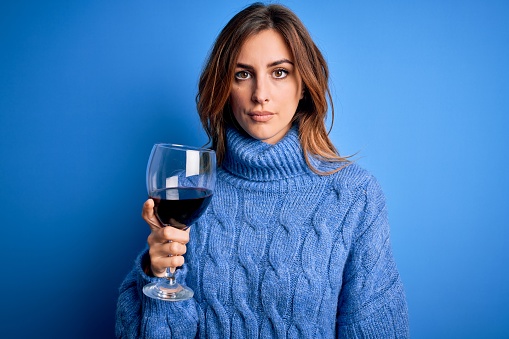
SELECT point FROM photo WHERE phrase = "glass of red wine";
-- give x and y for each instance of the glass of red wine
(180, 180)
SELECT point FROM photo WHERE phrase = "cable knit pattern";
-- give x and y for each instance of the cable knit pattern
(280, 253)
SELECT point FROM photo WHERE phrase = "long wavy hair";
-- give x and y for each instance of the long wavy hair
(217, 77)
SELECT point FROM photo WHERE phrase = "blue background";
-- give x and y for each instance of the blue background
(420, 90)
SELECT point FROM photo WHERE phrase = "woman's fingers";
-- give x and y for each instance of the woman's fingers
(159, 265)
(165, 255)
(168, 249)
(176, 235)
(168, 234)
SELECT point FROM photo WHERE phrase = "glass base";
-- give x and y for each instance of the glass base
(168, 293)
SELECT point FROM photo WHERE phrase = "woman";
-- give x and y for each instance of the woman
(295, 243)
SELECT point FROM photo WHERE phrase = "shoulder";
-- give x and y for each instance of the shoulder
(368, 213)
(354, 177)
(361, 189)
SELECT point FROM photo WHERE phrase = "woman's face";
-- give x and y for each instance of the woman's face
(267, 87)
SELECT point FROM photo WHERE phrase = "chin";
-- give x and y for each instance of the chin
(269, 138)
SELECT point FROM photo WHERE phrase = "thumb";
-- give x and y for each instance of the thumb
(149, 216)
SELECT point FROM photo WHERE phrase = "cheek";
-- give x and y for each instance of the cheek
(235, 104)
(236, 101)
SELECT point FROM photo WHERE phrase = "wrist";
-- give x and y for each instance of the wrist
(146, 265)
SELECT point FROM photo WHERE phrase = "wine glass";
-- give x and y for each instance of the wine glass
(180, 180)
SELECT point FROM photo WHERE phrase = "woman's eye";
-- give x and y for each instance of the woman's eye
(242, 75)
(280, 73)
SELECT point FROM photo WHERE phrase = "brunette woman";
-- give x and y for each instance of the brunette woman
(295, 243)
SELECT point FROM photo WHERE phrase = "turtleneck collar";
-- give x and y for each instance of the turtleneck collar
(256, 160)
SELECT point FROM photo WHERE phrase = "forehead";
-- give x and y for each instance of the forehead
(265, 46)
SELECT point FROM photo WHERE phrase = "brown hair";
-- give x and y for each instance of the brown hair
(217, 77)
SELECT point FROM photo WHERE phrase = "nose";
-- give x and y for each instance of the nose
(261, 91)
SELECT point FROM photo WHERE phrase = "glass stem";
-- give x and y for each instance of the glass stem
(170, 276)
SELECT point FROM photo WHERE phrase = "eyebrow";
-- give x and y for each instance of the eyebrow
(272, 64)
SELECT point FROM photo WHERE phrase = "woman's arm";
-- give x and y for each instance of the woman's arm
(139, 316)
(372, 301)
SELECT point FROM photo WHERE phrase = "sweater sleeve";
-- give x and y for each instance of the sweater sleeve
(372, 303)
(139, 316)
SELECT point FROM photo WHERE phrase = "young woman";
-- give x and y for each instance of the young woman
(295, 243)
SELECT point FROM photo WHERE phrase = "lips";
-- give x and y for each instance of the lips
(260, 116)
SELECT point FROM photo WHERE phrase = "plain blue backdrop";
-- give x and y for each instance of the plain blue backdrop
(420, 90)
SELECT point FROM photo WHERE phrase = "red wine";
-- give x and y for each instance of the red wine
(181, 204)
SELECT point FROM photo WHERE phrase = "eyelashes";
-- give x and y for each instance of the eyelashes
(278, 73)
(243, 75)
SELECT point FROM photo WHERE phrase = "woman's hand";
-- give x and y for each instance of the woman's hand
(166, 244)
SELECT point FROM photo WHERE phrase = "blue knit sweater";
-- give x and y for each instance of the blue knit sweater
(281, 252)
